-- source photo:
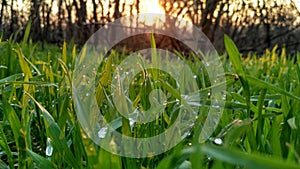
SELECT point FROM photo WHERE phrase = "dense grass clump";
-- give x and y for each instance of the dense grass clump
(39, 128)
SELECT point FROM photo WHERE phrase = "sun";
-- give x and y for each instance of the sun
(153, 6)
(297, 3)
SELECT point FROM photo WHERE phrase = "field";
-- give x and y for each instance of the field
(259, 127)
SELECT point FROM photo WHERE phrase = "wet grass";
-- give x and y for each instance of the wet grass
(39, 128)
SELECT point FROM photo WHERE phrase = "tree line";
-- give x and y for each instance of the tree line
(253, 24)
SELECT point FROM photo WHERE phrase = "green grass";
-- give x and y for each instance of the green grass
(39, 128)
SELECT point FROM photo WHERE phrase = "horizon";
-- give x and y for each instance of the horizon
(146, 6)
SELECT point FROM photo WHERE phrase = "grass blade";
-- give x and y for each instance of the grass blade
(5, 146)
(254, 161)
(64, 53)
(55, 133)
(24, 66)
(27, 32)
(265, 85)
(235, 58)
(41, 161)
(13, 119)
(3, 165)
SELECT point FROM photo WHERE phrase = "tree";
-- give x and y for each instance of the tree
(36, 19)
(4, 3)
(205, 14)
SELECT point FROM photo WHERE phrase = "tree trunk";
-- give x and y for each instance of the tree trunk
(1, 13)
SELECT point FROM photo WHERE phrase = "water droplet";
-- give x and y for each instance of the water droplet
(131, 121)
(195, 76)
(69, 142)
(165, 103)
(49, 148)
(218, 141)
(84, 136)
(88, 82)
(224, 96)
(87, 94)
(102, 132)
(94, 71)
